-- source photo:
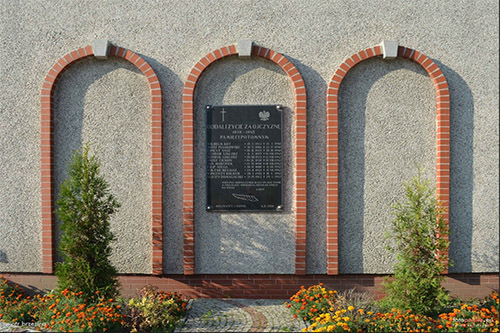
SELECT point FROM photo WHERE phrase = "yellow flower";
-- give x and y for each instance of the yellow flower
(350, 308)
(346, 319)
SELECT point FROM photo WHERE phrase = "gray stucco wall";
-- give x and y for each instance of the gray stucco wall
(386, 113)
(382, 141)
(119, 129)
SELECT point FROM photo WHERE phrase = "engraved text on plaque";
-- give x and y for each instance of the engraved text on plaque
(244, 158)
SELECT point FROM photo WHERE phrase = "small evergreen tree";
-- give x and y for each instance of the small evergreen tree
(418, 231)
(84, 207)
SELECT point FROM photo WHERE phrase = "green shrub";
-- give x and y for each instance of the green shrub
(418, 232)
(156, 311)
(84, 207)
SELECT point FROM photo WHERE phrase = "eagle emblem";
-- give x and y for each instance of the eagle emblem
(264, 115)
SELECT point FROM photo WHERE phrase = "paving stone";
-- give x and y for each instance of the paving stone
(239, 315)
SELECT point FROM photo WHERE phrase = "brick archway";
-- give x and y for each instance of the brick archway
(47, 151)
(300, 150)
(442, 141)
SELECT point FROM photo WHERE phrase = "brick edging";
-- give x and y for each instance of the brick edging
(300, 151)
(442, 142)
(47, 152)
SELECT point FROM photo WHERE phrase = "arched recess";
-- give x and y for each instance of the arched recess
(299, 158)
(442, 142)
(47, 152)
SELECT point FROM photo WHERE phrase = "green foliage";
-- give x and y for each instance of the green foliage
(419, 233)
(156, 311)
(85, 207)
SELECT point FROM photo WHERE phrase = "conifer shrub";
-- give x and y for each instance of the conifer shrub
(419, 234)
(85, 206)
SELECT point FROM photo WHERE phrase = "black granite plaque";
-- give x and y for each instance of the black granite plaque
(244, 158)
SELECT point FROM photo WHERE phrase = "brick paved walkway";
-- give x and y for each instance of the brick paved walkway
(239, 315)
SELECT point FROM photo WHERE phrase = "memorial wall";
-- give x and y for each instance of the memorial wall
(258, 164)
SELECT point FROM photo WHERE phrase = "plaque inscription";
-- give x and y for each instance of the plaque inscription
(244, 158)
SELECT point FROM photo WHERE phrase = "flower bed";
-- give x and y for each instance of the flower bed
(70, 312)
(326, 311)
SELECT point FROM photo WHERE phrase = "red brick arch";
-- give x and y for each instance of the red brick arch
(300, 151)
(442, 141)
(47, 151)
